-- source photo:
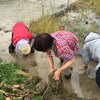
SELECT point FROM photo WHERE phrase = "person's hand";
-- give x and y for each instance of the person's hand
(57, 74)
(85, 66)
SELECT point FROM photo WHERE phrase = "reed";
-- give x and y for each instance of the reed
(44, 25)
(94, 5)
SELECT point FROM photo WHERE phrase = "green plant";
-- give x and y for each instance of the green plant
(0, 60)
(8, 74)
(1, 95)
(38, 97)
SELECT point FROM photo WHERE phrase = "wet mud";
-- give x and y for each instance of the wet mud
(82, 82)
(37, 64)
(55, 90)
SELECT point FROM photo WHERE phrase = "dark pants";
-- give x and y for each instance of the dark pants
(98, 77)
(11, 47)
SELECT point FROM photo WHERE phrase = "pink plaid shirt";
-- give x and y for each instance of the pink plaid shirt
(66, 45)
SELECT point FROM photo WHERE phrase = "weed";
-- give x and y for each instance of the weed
(94, 5)
(8, 74)
(0, 60)
(44, 25)
(38, 97)
(93, 27)
(1, 95)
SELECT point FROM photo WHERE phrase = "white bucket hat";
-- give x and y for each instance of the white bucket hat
(23, 46)
(26, 49)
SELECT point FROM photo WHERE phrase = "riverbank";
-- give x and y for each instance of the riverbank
(80, 23)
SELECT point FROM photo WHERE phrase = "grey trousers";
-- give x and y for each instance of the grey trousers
(67, 71)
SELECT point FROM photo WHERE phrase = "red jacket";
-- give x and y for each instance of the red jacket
(20, 31)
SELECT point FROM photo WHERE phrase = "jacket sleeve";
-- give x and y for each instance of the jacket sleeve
(85, 55)
(76, 48)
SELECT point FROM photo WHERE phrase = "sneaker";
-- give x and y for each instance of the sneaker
(32, 50)
(68, 77)
(11, 49)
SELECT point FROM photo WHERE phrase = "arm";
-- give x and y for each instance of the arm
(66, 65)
(76, 45)
(51, 62)
(31, 42)
(76, 48)
(85, 57)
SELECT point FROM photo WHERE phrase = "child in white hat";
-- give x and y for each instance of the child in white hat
(22, 40)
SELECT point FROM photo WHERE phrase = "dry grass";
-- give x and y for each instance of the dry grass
(87, 4)
(45, 25)
(93, 28)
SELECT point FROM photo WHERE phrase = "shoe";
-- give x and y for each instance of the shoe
(11, 49)
(68, 76)
(32, 50)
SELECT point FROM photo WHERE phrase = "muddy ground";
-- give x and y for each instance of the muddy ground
(82, 82)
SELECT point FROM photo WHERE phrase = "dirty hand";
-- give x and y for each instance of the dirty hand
(85, 66)
(57, 74)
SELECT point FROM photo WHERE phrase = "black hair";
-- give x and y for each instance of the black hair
(43, 42)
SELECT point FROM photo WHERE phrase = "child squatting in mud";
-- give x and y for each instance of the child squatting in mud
(91, 50)
(63, 45)
(22, 40)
